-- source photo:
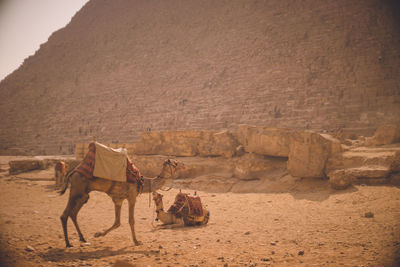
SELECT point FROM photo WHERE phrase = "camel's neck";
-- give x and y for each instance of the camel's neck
(159, 205)
(151, 185)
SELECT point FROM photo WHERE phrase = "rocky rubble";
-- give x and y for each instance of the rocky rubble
(371, 160)
(259, 159)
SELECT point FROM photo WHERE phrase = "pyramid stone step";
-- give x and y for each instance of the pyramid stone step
(354, 159)
(370, 175)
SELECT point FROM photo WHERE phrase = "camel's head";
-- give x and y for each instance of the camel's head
(173, 166)
(157, 196)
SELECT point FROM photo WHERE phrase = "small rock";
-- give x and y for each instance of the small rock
(273, 243)
(29, 248)
(160, 247)
(301, 253)
(265, 259)
(247, 233)
(369, 215)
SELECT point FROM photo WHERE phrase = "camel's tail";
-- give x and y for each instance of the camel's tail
(65, 186)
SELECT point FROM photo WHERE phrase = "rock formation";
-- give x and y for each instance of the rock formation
(309, 155)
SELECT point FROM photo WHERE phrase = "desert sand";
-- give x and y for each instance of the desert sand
(311, 226)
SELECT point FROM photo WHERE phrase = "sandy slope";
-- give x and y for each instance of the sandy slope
(307, 228)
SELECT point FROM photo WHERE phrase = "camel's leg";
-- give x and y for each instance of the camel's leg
(117, 221)
(64, 218)
(79, 203)
(132, 202)
(58, 183)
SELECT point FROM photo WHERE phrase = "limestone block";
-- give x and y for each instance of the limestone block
(210, 183)
(179, 143)
(18, 166)
(253, 166)
(384, 135)
(335, 145)
(186, 144)
(150, 166)
(309, 152)
(265, 140)
(197, 166)
(340, 179)
(369, 172)
(218, 144)
(371, 175)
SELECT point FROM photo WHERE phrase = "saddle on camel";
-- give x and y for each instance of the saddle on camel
(189, 207)
(109, 163)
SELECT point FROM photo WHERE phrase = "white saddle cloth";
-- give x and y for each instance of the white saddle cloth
(110, 163)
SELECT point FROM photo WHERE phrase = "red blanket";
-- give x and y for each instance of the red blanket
(194, 205)
(86, 167)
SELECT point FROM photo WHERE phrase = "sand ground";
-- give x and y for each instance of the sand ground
(311, 227)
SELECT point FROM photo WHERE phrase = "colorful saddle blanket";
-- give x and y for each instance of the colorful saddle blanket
(87, 168)
(194, 206)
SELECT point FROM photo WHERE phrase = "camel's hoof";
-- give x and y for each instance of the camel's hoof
(138, 243)
(69, 245)
(98, 234)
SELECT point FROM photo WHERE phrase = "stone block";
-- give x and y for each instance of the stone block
(384, 135)
(218, 144)
(309, 152)
(194, 166)
(186, 144)
(253, 166)
(265, 140)
(18, 166)
(340, 179)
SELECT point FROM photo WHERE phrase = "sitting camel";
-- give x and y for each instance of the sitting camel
(186, 211)
(118, 191)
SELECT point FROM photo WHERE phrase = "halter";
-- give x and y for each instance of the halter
(172, 171)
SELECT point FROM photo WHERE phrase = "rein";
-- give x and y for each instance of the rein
(172, 171)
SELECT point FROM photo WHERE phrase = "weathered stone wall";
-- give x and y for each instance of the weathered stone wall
(241, 154)
(122, 67)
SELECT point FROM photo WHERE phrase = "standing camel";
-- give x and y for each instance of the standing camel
(118, 191)
(181, 213)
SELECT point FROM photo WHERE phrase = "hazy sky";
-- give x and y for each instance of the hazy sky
(26, 24)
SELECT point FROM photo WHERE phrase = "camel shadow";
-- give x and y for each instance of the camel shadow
(61, 255)
(182, 228)
(51, 188)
